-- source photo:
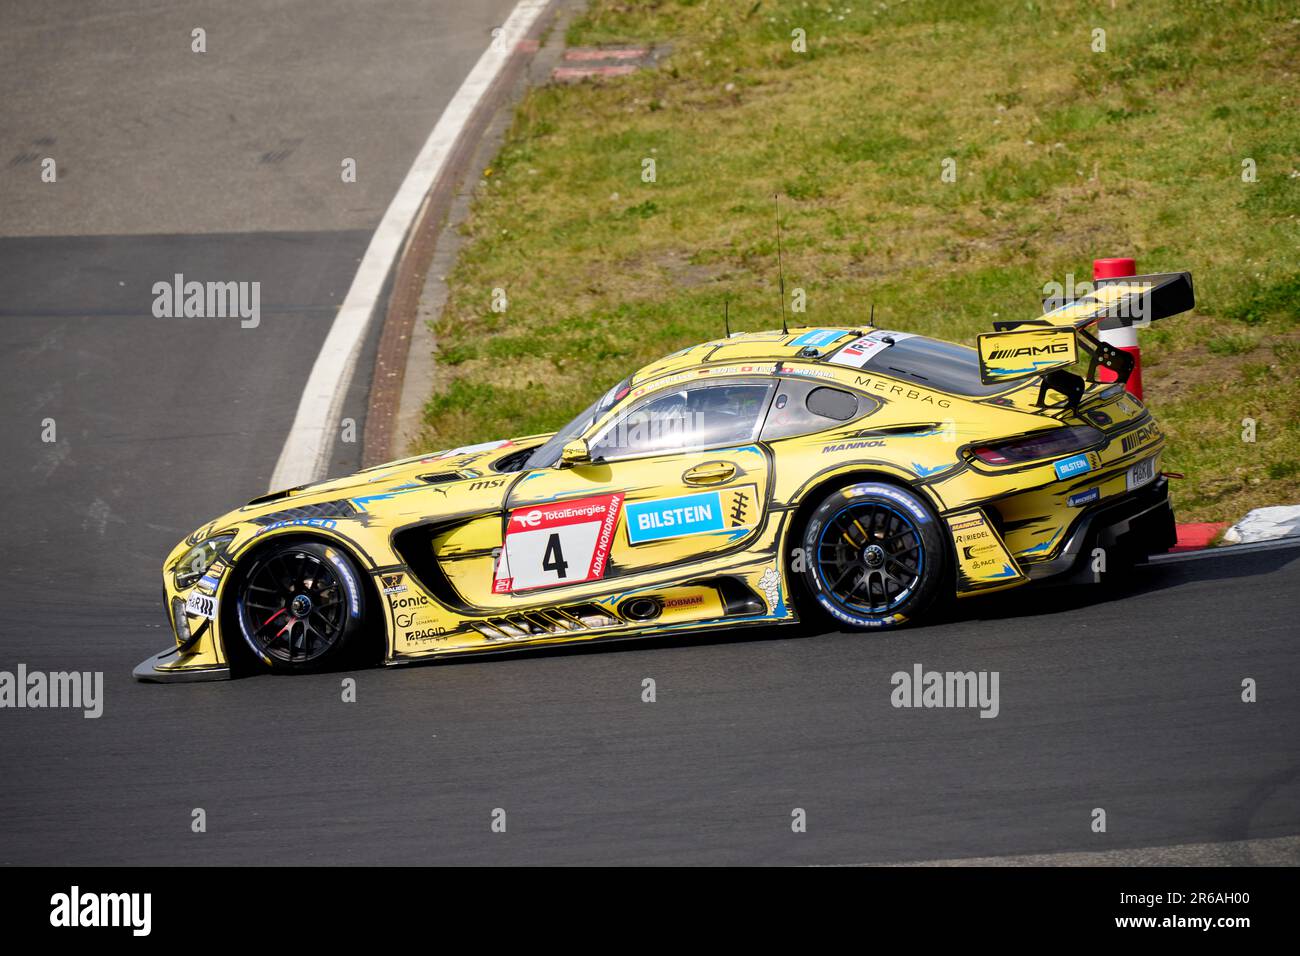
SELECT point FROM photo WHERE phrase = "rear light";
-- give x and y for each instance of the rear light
(1049, 444)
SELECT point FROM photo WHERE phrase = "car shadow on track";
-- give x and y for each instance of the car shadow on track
(1165, 572)
(1032, 601)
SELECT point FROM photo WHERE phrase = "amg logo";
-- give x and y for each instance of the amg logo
(1058, 348)
(1141, 436)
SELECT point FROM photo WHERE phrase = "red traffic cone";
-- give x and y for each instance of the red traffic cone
(1125, 338)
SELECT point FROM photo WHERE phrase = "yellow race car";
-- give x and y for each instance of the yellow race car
(763, 478)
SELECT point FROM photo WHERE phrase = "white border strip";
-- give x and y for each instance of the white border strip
(305, 455)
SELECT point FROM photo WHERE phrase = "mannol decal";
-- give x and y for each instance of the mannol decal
(852, 446)
(327, 523)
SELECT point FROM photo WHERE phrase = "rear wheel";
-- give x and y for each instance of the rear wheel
(874, 555)
(301, 606)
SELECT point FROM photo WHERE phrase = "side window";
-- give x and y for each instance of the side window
(700, 416)
(801, 408)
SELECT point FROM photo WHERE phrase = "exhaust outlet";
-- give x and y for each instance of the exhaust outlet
(640, 609)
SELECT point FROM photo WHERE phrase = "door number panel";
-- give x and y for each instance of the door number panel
(563, 543)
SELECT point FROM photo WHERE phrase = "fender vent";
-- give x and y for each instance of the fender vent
(563, 620)
(438, 477)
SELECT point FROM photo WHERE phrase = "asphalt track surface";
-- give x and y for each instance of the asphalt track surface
(1126, 700)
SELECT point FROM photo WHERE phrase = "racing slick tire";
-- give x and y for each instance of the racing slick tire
(874, 555)
(301, 606)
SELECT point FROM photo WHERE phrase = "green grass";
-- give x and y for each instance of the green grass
(1062, 155)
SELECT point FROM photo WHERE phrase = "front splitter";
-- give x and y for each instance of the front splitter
(163, 668)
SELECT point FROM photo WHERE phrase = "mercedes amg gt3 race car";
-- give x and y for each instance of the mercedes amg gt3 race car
(761, 478)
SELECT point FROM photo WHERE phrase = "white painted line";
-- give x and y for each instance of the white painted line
(305, 456)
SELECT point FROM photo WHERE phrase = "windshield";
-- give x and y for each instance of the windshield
(544, 456)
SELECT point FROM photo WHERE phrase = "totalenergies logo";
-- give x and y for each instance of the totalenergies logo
(529, 519)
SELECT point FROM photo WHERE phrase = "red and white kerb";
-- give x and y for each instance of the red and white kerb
(1126, 338)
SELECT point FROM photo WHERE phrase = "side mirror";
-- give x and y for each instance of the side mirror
(573, 454)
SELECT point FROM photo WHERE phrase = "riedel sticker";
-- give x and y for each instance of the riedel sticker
(563, 543)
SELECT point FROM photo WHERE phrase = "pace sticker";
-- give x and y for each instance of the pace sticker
(563, 543)
(709, 511)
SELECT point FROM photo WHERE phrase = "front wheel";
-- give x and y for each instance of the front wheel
(874, 555)
(301, 606)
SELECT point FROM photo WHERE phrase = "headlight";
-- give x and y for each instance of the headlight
(198, 559)
(181, 623)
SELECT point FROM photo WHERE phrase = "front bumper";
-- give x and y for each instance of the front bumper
(1131, 528)
(173, 666)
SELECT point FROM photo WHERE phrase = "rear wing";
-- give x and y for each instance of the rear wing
(1022, 349)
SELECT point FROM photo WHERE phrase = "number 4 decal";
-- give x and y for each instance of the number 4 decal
(553, 559)
(563, 543)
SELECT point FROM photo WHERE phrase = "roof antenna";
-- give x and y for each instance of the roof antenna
(872, 321)
(776, 200)
(726, 316)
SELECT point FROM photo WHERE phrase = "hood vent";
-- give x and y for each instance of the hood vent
(325, 509)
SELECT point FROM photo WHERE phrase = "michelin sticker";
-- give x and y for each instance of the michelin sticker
(1084, 498)
(770, 582)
